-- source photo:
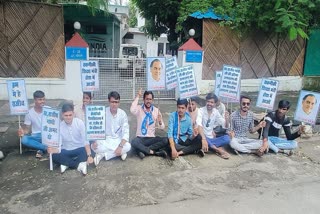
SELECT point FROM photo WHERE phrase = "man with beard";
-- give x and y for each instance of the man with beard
(209, 118)
(180, 134)
(241, 123)
(274, 122)
(148, 116)
(117, 132)
(31, 130)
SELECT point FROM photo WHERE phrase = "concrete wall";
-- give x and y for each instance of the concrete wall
(68, 88)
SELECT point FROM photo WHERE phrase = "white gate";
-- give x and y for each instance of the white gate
(126, 76)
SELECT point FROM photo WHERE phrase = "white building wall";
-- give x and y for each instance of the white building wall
(139, 39)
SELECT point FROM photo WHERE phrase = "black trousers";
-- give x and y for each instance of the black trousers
(145, 144)
(187, 147)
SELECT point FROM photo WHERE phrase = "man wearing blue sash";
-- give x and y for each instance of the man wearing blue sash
(180, 133)
(148, 116)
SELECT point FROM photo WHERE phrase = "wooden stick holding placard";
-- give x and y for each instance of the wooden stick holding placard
(51, 162)
(20, 136)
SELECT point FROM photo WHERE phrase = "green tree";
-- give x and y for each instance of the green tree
(290, 18)
(133, 21)
(93, 4)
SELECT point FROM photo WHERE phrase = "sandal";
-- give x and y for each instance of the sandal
(39, 154)
(224, 155)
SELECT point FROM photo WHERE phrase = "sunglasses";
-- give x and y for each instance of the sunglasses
(208, 123)
(245, 104)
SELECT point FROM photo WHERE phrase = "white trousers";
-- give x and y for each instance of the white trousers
(109, 146)
(245, 145)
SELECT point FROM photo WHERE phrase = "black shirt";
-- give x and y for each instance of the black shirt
(274, 124)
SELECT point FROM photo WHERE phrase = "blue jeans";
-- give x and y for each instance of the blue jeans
(34, 141)
(70, 158)
(276, 143)
(219, 141)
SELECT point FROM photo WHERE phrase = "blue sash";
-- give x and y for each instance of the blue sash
(149, 118)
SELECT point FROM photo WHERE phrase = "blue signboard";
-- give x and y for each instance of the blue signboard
(194, 56)
(76, 53)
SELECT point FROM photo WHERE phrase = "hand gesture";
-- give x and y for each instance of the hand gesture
(140, 92)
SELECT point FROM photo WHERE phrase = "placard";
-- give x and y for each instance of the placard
(18, 101)
(307, 107)
(156, 73)
(171, 75)
(230, 82)
(90, 75)
(217, 83)
(95, 122)
(267, 93)
(50, 127)
(187, 82)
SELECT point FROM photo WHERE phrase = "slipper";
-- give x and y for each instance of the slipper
(39, 154)
(224, 155)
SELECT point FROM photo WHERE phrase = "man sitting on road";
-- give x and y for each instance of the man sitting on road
(117, 131)
(75, 149)
(193, 112)
(32, 124)
(241, 123)
(274, 122)
(209, 118)
(146, 143)
(181, 139)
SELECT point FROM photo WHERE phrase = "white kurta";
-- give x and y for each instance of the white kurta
(117, 128)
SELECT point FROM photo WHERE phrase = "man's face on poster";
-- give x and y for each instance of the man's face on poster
(308, 104)
(155, 69)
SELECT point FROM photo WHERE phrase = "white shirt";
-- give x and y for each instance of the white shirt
(117, 126)
(215, 120)
(33, 118)
(73, 136)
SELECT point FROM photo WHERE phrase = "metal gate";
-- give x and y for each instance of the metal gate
(126, 76)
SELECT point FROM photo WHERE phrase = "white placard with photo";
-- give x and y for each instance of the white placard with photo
(156, 73)
(307, 107)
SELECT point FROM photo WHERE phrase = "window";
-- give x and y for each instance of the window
(96, 29)
(129, 36)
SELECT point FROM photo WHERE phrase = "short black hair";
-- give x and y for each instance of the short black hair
(114, 94)
(244, 97)
(212, 96)
(147, 93)
(89, 94)
(38, 94)
(67, 107)
(155, 60)
(182, 102)
(309, 95)
(284, 104)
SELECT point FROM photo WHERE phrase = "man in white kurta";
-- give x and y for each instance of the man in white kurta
(117, 132)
